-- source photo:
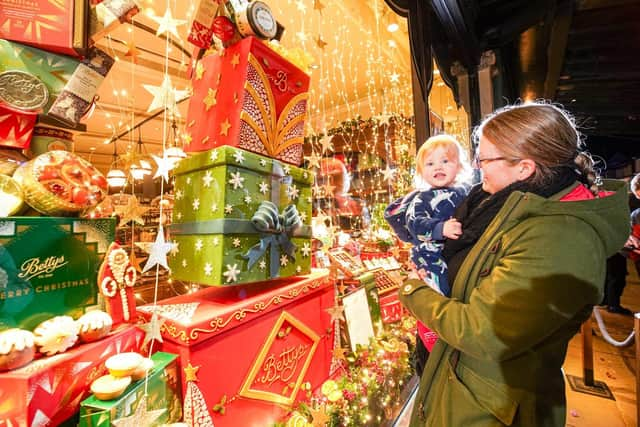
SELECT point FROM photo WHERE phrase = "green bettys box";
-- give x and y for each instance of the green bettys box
(163, 402)
(240, 217)
(49, 267)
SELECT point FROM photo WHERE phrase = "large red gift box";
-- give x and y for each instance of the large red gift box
(248, 97)
(16, 127)
(49, 390)
(257, 348)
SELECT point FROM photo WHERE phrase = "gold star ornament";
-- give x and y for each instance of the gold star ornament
(210, 100)
(235, 60)
(132, 52)
(131, 212)
(224, 127)
(319, 416)
(191, 372)
(320, 43)
(336, 313)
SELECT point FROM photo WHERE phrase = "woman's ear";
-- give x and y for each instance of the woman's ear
(527, 168)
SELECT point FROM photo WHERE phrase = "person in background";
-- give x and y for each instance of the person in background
(424, 217)
(347, 212)
(525, 273)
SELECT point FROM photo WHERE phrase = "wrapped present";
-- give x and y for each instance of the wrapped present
(52, 25)
(163, 403)
(257, 349)
(49, 390)
(52, 69)
(249, 97)
(240, 217)
(47, 139)
(48, 267)
(16, 127)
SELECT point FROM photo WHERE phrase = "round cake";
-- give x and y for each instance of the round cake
(94, 325)
(17, 348)
(108, 387)
(56, 335)
(61, 183)
(142, 370)
(123, 364)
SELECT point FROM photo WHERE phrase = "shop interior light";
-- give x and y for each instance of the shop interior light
(393, 27)
(116, 178)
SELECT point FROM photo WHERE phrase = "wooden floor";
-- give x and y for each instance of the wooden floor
(612, 365)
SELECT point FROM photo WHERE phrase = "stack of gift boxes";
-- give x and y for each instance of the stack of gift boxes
(259, 338)
(53, 338)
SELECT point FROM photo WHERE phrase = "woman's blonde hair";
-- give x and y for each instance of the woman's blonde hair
(542, 132)
(454, 149)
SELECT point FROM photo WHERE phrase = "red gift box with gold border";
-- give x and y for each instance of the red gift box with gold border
(255, 347)
(16, 127)
(249, 97)
(49, 390)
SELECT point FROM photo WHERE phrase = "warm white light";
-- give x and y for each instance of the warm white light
(175, 154)
(393, 27)
(116, 178)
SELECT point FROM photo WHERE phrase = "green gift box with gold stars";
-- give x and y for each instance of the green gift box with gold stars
(163, 403)
(240, 217)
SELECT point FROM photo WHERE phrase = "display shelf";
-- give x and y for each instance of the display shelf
(403, 416)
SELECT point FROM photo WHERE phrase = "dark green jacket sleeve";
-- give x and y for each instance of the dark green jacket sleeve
(543, 276)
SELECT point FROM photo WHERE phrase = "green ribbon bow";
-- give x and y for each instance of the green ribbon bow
(275, 232)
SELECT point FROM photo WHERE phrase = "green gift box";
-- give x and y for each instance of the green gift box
(49, 267)
(53, 70)
(163, 402)
(240, 217)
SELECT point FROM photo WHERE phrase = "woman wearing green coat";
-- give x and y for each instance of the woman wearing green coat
(526, 273)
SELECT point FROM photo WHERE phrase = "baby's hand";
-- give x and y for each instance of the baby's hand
(452, 229)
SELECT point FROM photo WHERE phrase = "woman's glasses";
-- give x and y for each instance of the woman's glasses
(477, 161)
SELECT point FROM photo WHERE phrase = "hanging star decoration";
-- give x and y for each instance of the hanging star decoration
(388, 173)
(384, 118)
(135, 261)
(141, 417)
(131, 212)
(167, 23)
(158, 252)
(317, 5)
(164, 166)
(313, 160)
(394, 78)
(320, 43)
(319, 416)
(152, 329)
(132, 51)
(165, 96)
(336, 313)
(326, 144)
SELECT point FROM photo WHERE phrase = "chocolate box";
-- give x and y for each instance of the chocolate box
(163, 398)
(49, 390)
(220, 194)
(249, 97)
(257, 349)
(48, 267)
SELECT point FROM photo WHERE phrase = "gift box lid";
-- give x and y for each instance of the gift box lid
(225, 155)
(194, 318)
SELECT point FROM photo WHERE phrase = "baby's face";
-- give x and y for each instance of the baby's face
(440, 168)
